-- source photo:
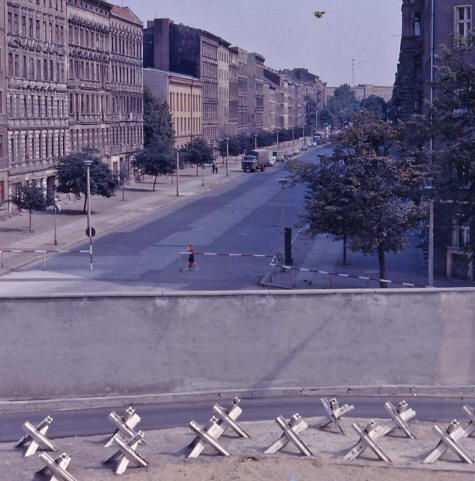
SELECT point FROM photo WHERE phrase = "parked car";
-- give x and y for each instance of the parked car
(280, 157)
(304, 148)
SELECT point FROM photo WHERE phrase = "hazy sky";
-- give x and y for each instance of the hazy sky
(288, 35)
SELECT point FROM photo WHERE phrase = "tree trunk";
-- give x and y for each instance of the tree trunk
(382, 266)
(85, 203)
(29, 228)
(344, 249)
(154, 183)
(196, 169)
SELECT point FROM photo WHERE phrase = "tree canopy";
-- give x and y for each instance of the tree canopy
(375, 104)
(362, 192)
(30, 198)
(72, 178)
(198, 152)
(342, 105)
(157, 121)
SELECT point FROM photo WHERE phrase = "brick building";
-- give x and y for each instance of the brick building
(184, 97)
(451, 19)
(189, 51)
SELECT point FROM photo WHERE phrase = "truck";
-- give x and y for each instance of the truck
(256, 160)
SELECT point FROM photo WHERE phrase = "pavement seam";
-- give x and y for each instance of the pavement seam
(463, 391)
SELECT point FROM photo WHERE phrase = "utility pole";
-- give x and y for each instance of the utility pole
(353, 71)
(177, 172)
(88, 164)
(430, 274)
(227, 155)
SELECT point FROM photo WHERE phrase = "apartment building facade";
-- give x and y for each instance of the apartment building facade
(72, 80)
(233, 91)
(184, 97)
(243, 106)
(255, 98)
(425, 29)
(223, 88)
(189, 51)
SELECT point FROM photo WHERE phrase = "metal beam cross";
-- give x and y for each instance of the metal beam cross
(225, 417)
(297, 425)
(334, 413)
(450, 438)
(128, 451)
(57, 467)
(291, 434)
(369, 441)
(125, 425)
(205, 437)
(400, 418)
(37, 436)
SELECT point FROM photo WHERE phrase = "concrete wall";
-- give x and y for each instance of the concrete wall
(102, 344)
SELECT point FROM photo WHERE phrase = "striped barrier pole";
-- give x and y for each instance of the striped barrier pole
(344, 275)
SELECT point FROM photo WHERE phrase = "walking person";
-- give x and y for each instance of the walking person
(191, 259)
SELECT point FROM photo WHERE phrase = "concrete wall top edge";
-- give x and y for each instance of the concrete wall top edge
(236, 293)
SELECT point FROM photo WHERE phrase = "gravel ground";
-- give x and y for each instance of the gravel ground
(166, 451)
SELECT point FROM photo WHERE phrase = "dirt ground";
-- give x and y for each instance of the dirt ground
(166, 451)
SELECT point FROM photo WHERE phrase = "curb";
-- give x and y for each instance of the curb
(11, 406)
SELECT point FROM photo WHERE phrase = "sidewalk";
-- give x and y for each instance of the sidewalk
(108, 214)
(325, 254)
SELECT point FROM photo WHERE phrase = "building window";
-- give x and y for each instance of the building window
(417, 24)
(463, 21)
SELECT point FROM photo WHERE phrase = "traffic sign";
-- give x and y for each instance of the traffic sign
(93, 232)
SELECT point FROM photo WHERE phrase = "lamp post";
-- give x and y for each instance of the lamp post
(430, 273)
(293, 139)
(56, 210)
(283, 183)
(227, 139)
(177, 172)
(277, 139)
(255, 141)
(88, 164)
(303, 134)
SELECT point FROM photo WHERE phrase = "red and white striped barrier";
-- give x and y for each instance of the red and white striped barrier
(350, 276)
(226, 254)
(44, 252)
(222, 254)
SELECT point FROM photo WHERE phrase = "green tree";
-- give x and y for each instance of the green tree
(30, 198)
(157, 121)
(198, 152)
(375, 104)
(452, 118)
(155, 159)
(363, 191)
(330, 198)
(72, 178)
(342, 105)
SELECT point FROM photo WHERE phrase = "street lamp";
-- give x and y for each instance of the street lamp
(277, 132)
(303, 134)
(283, 183)
(88, 163)
(293, 138)
(227, 139)
(255, 141)
(177, 171)
(56, 210)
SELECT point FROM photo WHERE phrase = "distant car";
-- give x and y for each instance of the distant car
(280, 157)
(304, 148)
(296, 151)
(272, 161)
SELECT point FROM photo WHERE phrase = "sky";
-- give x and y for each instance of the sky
(288, 34)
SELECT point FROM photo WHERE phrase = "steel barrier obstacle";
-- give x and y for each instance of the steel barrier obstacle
(341, 274)
(369, 441)
(44, 252)
(291, 433)
(125, 425)
(334, 413)
(57, 468)
(297, 425)
(36, 435)
(127, 452)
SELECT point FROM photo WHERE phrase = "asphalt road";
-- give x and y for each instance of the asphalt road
(89, 422)
(238, 217)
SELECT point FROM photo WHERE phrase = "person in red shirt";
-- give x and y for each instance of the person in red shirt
(191, 259)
